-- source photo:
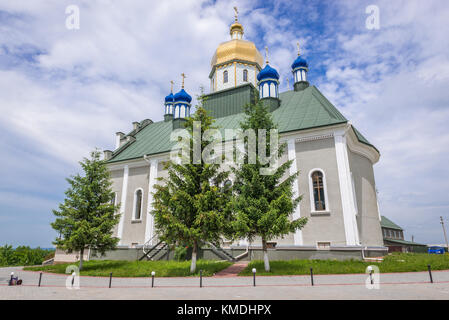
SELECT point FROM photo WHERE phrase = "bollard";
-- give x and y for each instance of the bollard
(40, 278)
(254, 277)
(311, 276)
(73, 278)
(152, 278)
(430, 273)
(110, 280)
(370, 270)
(201, 278)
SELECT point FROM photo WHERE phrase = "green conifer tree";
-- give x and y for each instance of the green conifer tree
(263, 203)
(87, 217)
(190, 204)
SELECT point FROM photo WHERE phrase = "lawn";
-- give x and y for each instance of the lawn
(400, 262)
(139, 268)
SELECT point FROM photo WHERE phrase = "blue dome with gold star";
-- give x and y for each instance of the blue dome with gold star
(183, 96)
(268, 73)
(170, 98)
(300, 62)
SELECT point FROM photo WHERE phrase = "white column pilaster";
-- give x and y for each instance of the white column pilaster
(123, 203)
(149, 226)
(293, 169)
(347, 199)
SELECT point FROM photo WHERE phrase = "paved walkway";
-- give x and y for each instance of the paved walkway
(352, 286)
(233, 270)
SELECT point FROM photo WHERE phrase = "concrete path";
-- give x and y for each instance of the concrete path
(392, 286)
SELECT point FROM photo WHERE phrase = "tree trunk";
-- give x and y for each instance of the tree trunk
(81, 259)
(193, 263)
(265, 255)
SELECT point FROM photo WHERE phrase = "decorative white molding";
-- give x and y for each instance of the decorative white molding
(123, 203)
(347, 200)
(293, 170)
(149, 226)
(313, 210)
(360, 148)
(316, 137)
(320, 132)
(140, 162)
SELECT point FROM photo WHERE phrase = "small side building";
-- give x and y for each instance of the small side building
(393, 236)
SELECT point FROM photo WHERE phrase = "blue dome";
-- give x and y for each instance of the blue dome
(299, 62)
(183, 96)
(268, 73)
(170, 98)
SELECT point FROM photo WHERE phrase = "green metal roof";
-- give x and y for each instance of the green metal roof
(411, 243)
(298, 110)
(387, 223)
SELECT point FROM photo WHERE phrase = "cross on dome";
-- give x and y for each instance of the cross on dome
(266, 55)
(183, 77)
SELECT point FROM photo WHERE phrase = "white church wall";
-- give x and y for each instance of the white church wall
(134, 230)
(251, 74)
(366, 198)
(235, 76)
(117, 182)
(321, 227)
(325, 226)
(220, 85)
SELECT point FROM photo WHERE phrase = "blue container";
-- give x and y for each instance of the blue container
(435, 250)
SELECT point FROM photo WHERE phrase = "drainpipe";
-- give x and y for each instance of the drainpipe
(366, 258)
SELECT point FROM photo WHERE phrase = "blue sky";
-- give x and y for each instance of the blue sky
(64, 92)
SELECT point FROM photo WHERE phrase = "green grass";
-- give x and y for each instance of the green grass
(139, 268)
(402, 262)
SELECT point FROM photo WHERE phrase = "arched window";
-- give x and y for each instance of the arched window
(225, 76)
(318, 191)
(137, 205)
(245, 75)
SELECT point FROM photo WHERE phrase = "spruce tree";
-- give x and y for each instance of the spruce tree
(87, 216)
(263, 203)
(190, 204)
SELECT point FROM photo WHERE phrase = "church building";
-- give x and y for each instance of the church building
(334, 159)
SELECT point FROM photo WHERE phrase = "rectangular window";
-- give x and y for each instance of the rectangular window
(323, 245)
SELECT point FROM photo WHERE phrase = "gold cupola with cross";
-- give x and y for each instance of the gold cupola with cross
(235, 62)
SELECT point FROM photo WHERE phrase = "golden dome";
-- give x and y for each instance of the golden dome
(236, 26)
(237, 49)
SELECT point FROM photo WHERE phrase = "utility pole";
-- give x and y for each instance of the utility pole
(444, 231)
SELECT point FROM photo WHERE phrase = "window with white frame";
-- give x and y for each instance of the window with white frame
(318, 191)
(245, 75)
(138, 203)
(323, 245)
(225, 76)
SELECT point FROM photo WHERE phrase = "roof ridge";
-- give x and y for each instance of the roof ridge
(327, 104)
